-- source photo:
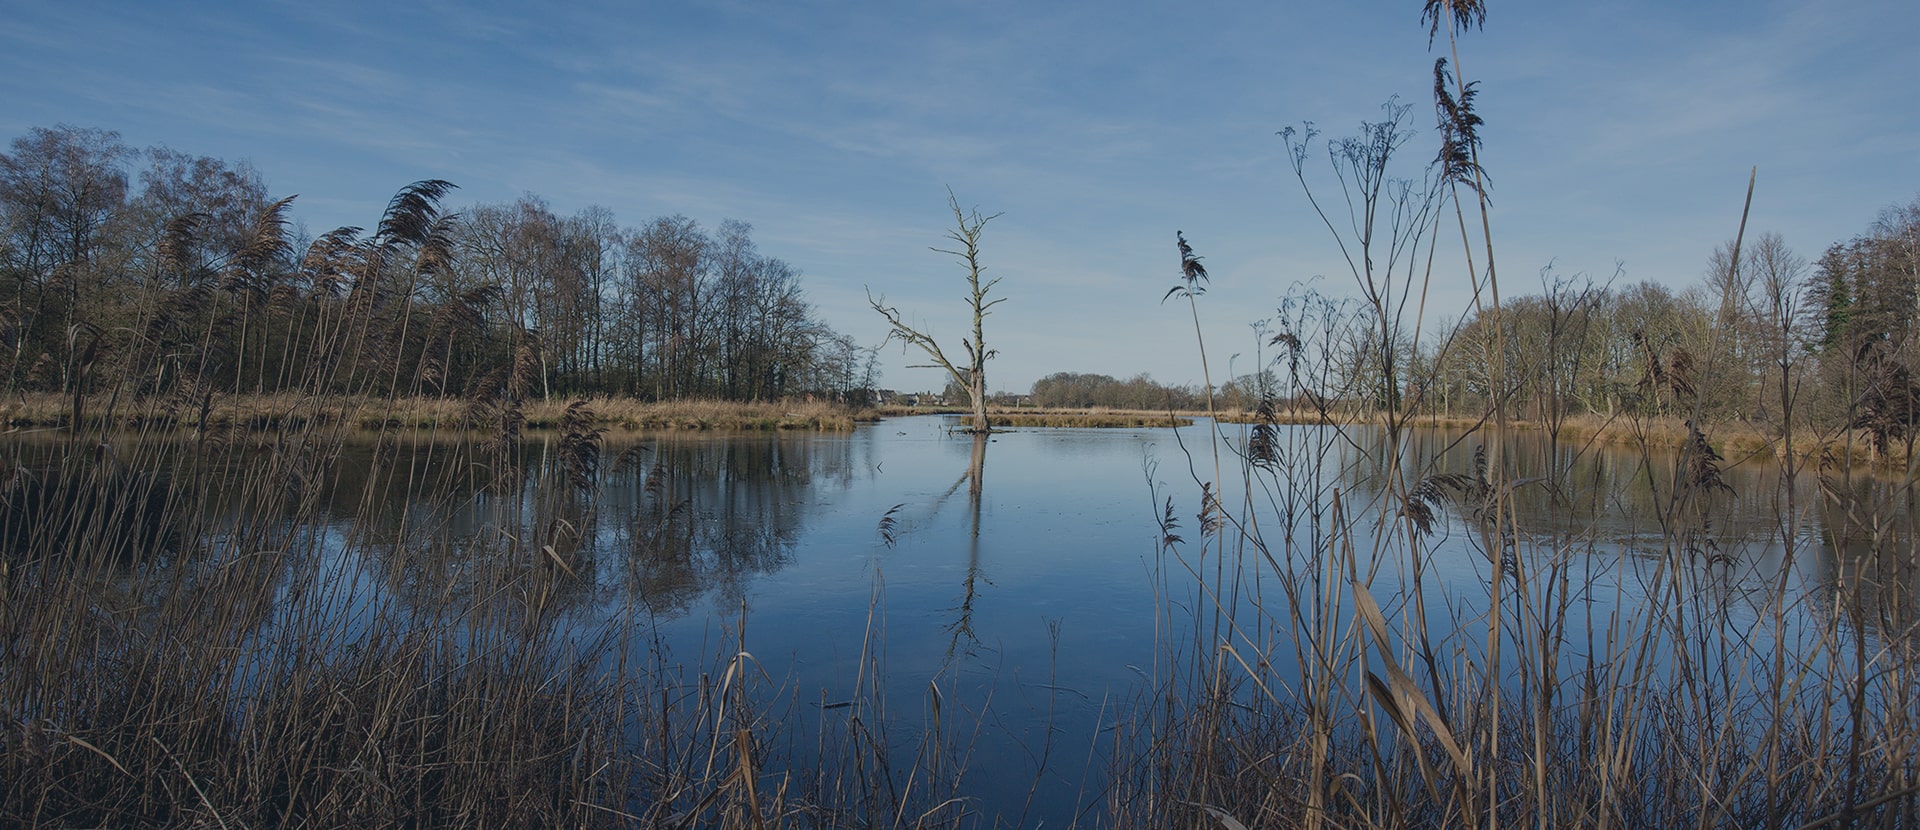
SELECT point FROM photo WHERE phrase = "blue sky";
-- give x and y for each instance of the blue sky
(1617, 133)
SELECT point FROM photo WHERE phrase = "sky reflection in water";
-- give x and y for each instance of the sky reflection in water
(1033, 597)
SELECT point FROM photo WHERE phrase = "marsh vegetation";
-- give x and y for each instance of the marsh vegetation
(417, 527)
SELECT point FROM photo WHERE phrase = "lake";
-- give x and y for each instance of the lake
(1019, 595)
(1035, 600)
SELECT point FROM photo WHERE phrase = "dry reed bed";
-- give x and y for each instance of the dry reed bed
(1313, 675)
(1732, 440)
(204, 680)
(274, 412)
(227, 677)
(1365, 633)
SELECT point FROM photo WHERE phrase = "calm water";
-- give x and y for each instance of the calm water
(1026, 593)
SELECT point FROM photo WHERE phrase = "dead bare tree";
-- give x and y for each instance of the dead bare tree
(968, 227)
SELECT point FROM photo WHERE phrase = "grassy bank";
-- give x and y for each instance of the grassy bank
(1116, 420)
(274, 412)
(1097, 417)
(1735, 441)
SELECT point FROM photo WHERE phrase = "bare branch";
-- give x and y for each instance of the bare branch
(968, 228)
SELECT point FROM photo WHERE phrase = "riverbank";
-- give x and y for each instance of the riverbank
(1003, 417)
(1734, 441)
(49, 411)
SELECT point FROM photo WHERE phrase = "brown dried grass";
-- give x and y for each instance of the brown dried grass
(42, 411)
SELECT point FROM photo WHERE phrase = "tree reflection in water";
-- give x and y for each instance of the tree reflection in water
(670, 520)
(974, 478)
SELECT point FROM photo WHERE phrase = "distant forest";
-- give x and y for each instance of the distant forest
(183, 274)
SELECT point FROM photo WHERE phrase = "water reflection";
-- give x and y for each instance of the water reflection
(964, 637)
(668, 522)
(672, 523)
(1633, 516)
(1870, 553)
(1046, 575)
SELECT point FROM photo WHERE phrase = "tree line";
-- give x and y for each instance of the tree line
(1085, 390)
(183, 274)
(1766, 337)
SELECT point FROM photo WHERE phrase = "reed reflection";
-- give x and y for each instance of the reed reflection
(1735, 532)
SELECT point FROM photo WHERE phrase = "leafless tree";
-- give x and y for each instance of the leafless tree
(972, 376)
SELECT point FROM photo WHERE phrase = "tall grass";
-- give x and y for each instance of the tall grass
(1615, 658)
(208, 617)
(211, 616)
(244, 636)
(1653, 673)
(266, 412)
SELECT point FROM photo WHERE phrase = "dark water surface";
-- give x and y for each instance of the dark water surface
(1027, 599)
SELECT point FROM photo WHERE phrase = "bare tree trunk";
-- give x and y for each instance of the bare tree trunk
(972, 377)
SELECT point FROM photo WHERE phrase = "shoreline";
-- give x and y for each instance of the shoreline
(1734, 441)
(269, 412)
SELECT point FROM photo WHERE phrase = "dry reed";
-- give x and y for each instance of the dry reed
(46, 411)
